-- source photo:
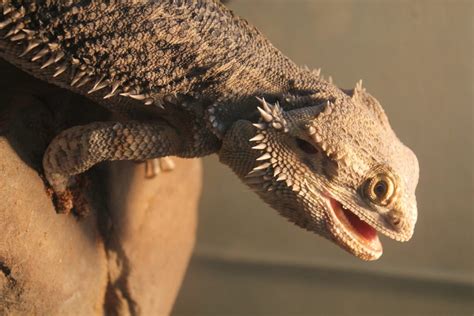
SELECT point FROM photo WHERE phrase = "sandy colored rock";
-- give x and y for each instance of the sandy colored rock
(155, 235)
(126, 256)
(51, 264)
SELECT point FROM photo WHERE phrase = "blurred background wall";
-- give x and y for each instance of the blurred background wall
(416, 57)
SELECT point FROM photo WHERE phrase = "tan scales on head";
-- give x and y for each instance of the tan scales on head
(343, 180)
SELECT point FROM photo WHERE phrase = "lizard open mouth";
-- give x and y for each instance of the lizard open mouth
(353, 233)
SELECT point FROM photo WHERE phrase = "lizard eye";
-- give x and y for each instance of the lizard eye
(306, 147)
(380, 189)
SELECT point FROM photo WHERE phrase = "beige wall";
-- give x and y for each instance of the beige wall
(416, 57)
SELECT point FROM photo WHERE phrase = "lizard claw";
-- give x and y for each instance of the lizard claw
(68, 196)
(72, 200)
(64, 202)
(154, 166)
(167, 164)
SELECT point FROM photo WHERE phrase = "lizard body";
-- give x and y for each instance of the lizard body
(186, 75)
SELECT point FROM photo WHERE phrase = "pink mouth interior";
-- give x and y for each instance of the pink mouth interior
(354, 223)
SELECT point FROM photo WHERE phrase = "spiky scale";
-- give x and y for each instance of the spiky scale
(31, 45)
(99, 84)
(98, 87)
(40, 54)
(59, 55)
(267, 177)
(49, 62)
(317, 138)
(18, 37)
(262, 166)
(77, 77)
(265, 156)
(19, 27)
(7, 8)
(257, 138)
(28, 32)
(159, 105)
(265, 105)
(5, 23)
(60, 70)
(295, 188)
(11, 32)
(53, 46)
(276, 170)
(266, 117)
(359, 87)
(259, 125)
(260, 146)
(139, 97)
(276, 111)
(255, 173)
(83, 81)
(327, 109)
(113, 90)
(150, 101)
(254, 180)
(324, 146)
(277, 125)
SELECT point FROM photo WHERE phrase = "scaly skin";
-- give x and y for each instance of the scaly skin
(186, 75)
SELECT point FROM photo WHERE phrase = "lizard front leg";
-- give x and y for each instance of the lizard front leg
(77, 149)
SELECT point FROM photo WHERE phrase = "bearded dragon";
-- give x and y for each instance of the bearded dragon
(193, 79)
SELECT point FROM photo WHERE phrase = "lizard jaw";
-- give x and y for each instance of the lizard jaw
(352, 233)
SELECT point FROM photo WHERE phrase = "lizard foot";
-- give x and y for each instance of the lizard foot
(63, 201)
(154, 166)
(71, 198)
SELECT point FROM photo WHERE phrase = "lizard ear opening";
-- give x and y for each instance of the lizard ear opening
(306, 146)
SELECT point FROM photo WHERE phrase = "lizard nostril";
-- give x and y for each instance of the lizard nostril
(396, 221)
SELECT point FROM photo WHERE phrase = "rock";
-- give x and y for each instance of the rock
(52, 264)
(127, 255)
(153, 236)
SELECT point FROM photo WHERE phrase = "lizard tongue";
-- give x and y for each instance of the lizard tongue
(355, 224)
(364, 229)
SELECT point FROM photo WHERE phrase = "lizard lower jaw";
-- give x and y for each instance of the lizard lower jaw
(352, 233)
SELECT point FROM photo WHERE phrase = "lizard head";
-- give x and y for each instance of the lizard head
(335, 168)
